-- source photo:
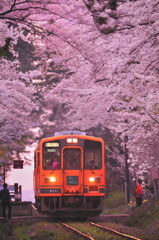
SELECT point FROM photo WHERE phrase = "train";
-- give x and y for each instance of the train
(70, 175)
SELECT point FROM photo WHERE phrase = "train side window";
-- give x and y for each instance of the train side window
(92, 155)
(72, 158)
(51, 156)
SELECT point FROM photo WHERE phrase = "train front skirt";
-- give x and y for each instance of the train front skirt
(70, 206)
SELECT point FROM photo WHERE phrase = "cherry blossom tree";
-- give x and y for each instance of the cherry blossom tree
(24, 21)
(116, 72)
(16, 95)
(109, 52)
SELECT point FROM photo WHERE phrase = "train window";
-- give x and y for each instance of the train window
(92, 154)
(51, 155)
(72, 158)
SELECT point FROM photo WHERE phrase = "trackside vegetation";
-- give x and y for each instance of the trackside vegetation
(146, 217)
(143, 221)
(26, 230)
(114, 203)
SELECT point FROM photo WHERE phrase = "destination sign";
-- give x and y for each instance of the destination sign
(52, 144)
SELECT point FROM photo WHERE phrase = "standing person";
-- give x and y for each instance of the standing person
(6, 201)
(139, 193)
(55, 163)
(92, 165)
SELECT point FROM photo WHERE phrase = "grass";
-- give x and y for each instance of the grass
(143, 220)
(95, 232)
(115, 204)
(122, 209)
(145, 216)
(5, 231)
(41, 230)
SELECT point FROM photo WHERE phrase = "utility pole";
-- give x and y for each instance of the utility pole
(4, 173)
(127, 180)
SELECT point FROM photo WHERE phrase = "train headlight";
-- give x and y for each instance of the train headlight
(69, 140)
(72, 140)
(52, 179)
(91, 179)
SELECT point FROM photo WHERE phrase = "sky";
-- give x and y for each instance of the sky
(23, 177)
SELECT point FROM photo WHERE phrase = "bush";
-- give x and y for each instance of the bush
(114, 199)
(145, 215)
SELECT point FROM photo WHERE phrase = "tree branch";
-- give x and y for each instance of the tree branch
(151, 117)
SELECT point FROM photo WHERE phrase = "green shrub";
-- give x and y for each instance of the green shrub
(114, 199)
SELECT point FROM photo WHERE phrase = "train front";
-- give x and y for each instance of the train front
(70, 176)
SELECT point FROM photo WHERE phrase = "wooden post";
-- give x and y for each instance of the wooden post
(20, 193)
(4, 173)
(16, 191)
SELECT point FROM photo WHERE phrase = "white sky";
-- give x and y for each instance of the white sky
(23, 177)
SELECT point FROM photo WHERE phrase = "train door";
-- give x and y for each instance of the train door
(72, 171)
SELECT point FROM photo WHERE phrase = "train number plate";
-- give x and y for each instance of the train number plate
(50, 190)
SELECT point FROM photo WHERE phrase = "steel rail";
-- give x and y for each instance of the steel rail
(114, 231)
(75, 231)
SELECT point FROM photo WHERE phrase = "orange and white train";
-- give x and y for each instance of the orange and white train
(70, 175)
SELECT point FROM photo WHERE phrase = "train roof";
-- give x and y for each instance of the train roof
(69, 133)
(62, 134)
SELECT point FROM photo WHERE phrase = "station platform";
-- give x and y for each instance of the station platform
(20, 209)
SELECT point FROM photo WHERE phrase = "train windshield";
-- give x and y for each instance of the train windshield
(72, 158)
(92, 155)
(51, 155)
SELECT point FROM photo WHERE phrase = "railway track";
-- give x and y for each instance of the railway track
(72, 227)
(102, 228)
(76, 232)
(114, 231)
(82, 230)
